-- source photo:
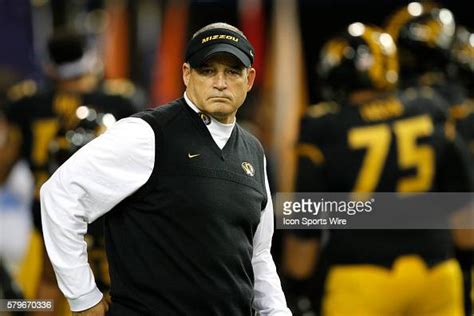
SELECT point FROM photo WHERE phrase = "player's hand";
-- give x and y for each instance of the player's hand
(98, 310)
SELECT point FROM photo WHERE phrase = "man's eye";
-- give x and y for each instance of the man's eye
(234, 71)
(205, 71)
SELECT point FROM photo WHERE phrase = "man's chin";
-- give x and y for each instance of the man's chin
(222, 115)
(221, 107)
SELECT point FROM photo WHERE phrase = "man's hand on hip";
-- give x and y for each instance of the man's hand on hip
(98, 310)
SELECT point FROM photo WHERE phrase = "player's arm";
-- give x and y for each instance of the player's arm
(269, 297)
(456, 174)
(89, 184)
(463, 238)
(455, 171)
(301, 247)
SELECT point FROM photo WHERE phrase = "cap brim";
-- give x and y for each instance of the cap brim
(205, 53)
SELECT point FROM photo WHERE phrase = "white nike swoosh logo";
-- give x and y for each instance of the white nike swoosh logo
(192, 156)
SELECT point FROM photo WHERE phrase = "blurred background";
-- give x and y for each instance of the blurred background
(144, 41)
(141, 44)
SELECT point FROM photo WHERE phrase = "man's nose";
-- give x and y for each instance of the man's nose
(220, 81)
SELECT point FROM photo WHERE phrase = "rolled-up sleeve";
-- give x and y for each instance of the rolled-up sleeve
(269, 298)
(88, 185)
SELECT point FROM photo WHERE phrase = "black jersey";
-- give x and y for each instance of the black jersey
(401, 143)
(459, 105)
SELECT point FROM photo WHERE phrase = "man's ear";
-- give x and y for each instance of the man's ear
(251, 78)
(186, 73)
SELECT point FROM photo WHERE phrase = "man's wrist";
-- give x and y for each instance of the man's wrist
(86, 301)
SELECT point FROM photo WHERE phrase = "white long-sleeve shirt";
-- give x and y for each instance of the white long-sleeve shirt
(100, 175)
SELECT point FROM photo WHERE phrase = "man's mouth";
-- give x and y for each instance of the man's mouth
(220, 97)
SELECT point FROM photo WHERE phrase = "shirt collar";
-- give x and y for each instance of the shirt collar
(220, 132)
(213, 120)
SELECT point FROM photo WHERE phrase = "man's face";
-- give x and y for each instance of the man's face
(219, 86)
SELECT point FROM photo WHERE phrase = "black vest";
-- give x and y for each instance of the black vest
(182, 244)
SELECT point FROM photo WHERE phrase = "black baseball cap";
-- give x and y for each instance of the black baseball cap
(219, 40)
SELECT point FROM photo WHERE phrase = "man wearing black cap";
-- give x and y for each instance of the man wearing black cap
(189, 215)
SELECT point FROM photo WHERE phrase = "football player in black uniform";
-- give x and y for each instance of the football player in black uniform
(434, 54)
(59, 119)
(462, 70)
(374, 139)
(428, 42)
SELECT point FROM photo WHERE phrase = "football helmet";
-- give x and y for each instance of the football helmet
(423, 34)
(462, 57)
(362, 57)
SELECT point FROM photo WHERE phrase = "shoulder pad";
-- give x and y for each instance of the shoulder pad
(425, 99)
(322, 109)
(122, 87)
(23, 89)
(420, 92)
